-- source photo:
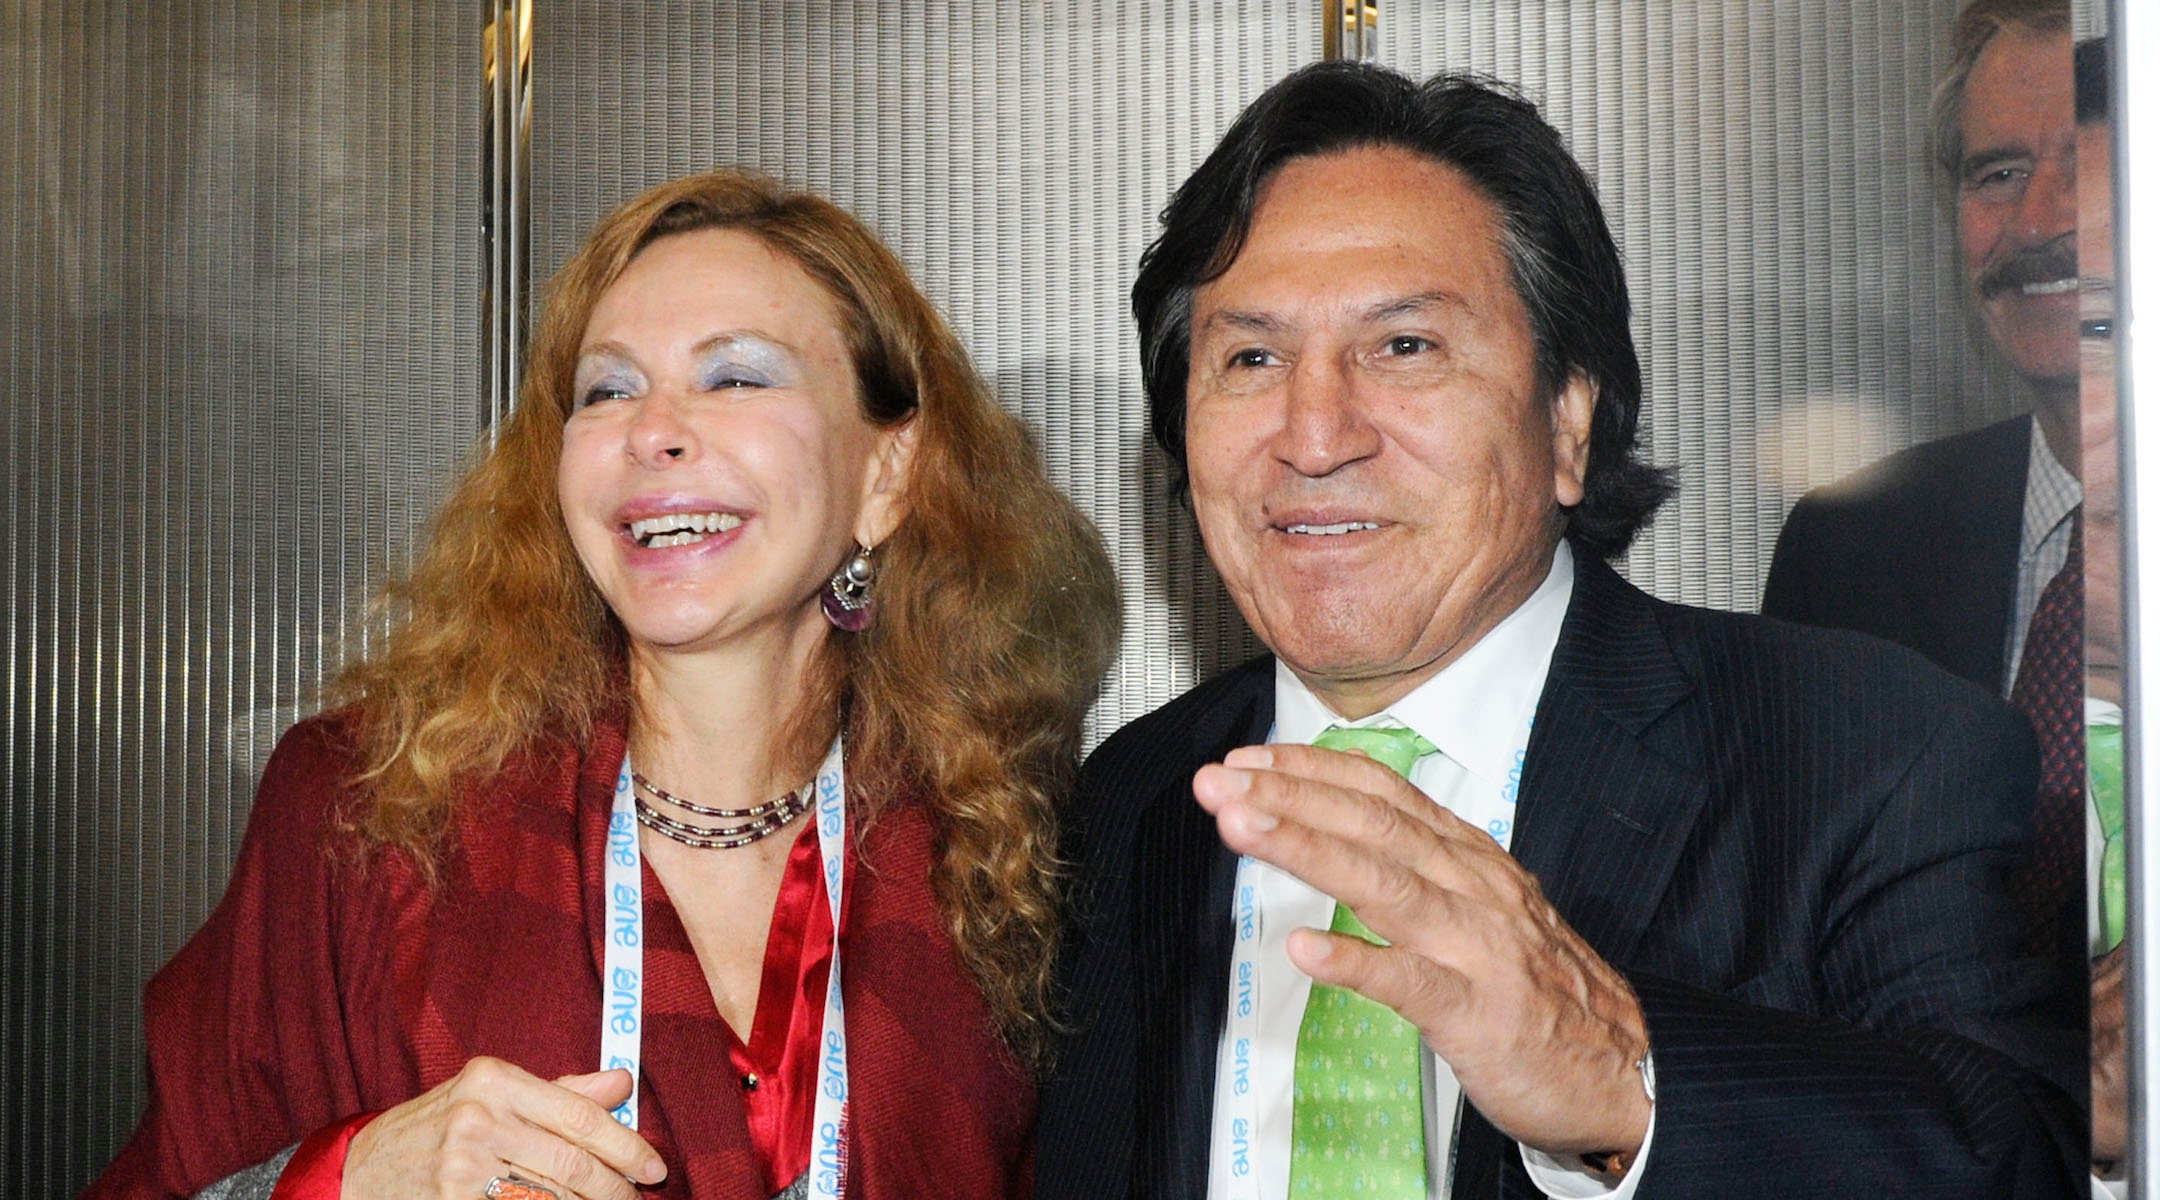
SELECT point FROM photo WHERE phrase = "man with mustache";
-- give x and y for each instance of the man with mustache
(1966, 549)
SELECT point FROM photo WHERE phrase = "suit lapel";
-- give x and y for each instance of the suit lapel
(1611, 785)
(1977, 565)
(1611, 790)
(1183, 879)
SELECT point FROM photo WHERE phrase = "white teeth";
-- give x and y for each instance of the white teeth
(2053, 287)
(1330, 530)
(679, 529)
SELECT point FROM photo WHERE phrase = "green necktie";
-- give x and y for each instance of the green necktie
(1357, 1116)
(2104, 766)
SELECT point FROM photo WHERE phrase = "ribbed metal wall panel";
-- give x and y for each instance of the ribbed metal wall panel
(2088, 18)
(240, 332)
(1764, 165)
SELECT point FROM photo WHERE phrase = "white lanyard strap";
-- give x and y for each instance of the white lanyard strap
(1244, 1030)
(622, 984)
(828, 1124)
(622, 1010)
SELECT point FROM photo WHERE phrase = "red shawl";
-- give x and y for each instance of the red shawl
(329, 982)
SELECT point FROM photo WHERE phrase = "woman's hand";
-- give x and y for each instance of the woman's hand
(493, 1119)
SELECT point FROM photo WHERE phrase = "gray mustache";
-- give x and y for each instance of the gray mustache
(2054, 260)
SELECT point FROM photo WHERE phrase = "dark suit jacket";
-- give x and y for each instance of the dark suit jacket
(1790, 840)
(1920, 548)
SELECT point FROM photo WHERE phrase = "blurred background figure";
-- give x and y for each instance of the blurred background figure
(1967, 549)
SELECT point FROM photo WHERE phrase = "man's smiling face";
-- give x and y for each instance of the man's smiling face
(1374, 469)
(2017, 201)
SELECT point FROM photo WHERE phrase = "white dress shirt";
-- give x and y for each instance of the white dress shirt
(2052, 493)
(1478, 712)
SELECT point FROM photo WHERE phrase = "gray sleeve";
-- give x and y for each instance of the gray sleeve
(250, 1183)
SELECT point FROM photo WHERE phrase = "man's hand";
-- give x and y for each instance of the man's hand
(2110, 1073)
(1542, 1033)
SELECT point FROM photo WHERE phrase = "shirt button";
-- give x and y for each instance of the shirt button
(750, 1082)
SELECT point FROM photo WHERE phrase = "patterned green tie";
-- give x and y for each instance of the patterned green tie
(1357, 1116)
(2104, 766)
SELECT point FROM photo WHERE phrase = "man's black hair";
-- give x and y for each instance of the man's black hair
(2090, 69)
(1560, 254)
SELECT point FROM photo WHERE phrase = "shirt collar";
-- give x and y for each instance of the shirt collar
(2051, 491)
(1478, 708)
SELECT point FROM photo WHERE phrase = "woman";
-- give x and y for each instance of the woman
(756, 538)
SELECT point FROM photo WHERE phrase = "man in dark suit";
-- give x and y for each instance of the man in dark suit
(1676, 902)
(1947, 546)
(1969, 549)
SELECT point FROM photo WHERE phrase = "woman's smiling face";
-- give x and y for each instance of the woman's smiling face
(716, 464)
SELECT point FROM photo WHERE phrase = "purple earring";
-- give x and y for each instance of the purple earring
(846, 599)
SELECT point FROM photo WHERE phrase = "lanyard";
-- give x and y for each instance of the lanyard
(1492, 809)
(622, 1009)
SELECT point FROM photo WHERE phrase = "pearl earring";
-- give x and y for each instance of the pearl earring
(846, 599)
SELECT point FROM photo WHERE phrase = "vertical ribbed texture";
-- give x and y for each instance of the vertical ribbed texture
(2088, 18)
(1014, 155)
(1765, 167)
(240, 333)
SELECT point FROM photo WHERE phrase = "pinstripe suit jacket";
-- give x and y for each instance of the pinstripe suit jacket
(1790, 840)
(1920, 548)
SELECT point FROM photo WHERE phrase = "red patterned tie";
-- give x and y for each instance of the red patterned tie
(2050, 690)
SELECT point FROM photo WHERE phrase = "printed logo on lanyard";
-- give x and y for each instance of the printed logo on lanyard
(1244, 1029)
(622, 1009)
(828, 1124)
(622, 987)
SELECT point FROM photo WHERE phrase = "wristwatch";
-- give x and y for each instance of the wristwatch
(1615, 1163)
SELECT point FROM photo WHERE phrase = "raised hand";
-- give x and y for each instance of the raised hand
(1542, 1033)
